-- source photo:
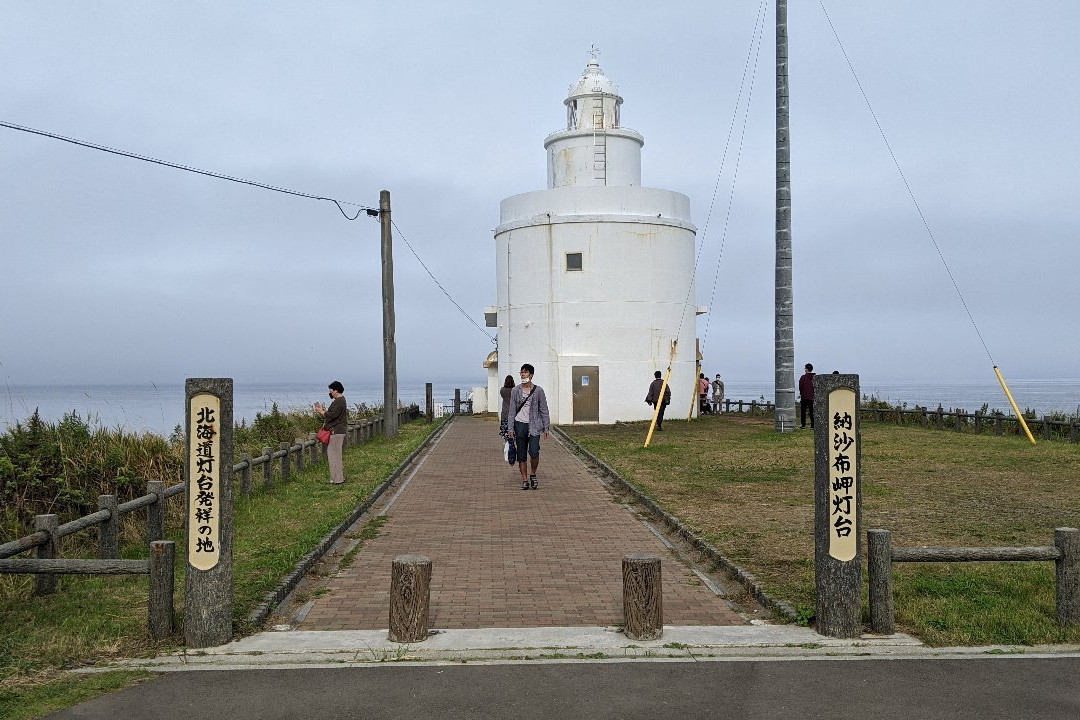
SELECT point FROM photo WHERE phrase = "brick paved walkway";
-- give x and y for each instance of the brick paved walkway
(504, 557)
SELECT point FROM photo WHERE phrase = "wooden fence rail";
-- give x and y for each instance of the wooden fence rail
(957, 421)
(976, 422)
(48, 531)
(880, 555)
(156, 493)
(160, 567)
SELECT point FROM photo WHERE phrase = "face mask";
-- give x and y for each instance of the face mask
(331, 395)
(526, 378)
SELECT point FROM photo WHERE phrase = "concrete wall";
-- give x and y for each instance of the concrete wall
(572, 158)
(619, 312)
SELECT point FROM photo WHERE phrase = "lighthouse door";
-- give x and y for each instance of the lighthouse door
(586, 380)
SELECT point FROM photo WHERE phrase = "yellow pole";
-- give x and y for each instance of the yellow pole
(694, 389)
(694, 401)
(1013, 403)
(660, 400)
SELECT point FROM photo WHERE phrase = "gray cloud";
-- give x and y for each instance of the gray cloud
(105, 260)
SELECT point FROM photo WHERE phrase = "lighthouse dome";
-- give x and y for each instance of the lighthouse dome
(592, 82)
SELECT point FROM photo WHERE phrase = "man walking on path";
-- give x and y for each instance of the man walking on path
(531, 419)
(654, 396)
(806, 395)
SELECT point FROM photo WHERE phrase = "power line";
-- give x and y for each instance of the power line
(439, 285)
(754, 41)
(759, 28)
(373, 212)
(907, 186)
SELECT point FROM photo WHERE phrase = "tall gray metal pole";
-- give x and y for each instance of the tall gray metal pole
(785, 341)
(390, 419)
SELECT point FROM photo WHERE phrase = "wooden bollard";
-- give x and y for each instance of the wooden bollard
(159, 606)
(879, 573)
(410, 596)
(643, 606)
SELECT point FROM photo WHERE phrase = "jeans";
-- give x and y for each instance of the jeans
(525, 441)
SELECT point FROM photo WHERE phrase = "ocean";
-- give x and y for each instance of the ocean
(160, 408)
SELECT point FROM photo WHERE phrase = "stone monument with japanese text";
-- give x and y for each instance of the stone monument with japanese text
(837, 506)
(208, 595)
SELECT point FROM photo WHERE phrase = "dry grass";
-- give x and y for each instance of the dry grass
(750, 491)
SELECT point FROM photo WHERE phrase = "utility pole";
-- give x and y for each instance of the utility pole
(785, 340)
(390, 418)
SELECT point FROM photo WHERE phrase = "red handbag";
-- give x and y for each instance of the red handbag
(324, 436)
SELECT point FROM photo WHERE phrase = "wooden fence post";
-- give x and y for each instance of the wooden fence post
(1047, 430)
(109, 530)
(923, 419)
(940, 419)
(46, 584)
(998, 426)
(961, 421)
(1067, 575)
(643, 602)
(879, 575)
(284, 461)
(978, 422)
(299, 447)
(410, 598)
(1073, 432)
(268, 470)
(155, 511)
(245, 474)
(313, 452)
(159, 605)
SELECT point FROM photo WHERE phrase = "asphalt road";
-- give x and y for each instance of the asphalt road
(868, 689)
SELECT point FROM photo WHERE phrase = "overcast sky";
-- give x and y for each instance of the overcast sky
(117, 271)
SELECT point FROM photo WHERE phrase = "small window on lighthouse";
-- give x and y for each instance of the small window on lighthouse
(573, 261)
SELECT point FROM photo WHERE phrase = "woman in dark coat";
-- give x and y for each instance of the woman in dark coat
(507, 388)
(336, 420)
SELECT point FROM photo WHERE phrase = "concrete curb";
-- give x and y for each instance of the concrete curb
(759, 643)
(743, 576)
(289, 583)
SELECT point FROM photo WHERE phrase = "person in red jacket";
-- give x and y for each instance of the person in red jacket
(806, 395)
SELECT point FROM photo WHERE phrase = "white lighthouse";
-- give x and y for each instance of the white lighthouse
(595, 273)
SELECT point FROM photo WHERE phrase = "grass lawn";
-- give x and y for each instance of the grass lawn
(96, 619)
(750, 492)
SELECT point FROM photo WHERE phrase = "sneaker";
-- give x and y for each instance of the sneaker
(532, 482)
(524, 484)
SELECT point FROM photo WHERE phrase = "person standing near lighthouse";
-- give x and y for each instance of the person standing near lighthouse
(531, 419)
